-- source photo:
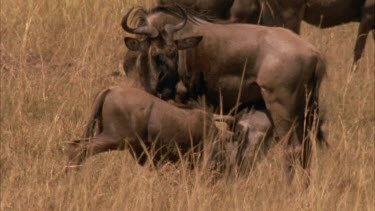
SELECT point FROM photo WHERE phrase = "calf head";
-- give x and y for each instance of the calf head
(76, 153)
(159, 52)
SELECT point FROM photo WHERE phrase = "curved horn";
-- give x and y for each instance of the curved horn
(170, 29)
(143, 30)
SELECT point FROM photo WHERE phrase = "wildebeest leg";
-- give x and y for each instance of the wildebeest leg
(283, 115)
(363, 30)
(138, 153)
(79, 151)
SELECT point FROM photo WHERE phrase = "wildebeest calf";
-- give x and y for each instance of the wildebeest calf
(149, 127)
(256, 129)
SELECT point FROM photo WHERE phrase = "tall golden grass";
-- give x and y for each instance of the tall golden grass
(55, 55)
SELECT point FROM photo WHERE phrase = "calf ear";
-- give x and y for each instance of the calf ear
(190, 42)
(134, 44)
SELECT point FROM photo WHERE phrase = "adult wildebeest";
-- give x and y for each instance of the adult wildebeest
(149, 127)
(259, 63)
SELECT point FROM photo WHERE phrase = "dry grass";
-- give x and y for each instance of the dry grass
(55, 55)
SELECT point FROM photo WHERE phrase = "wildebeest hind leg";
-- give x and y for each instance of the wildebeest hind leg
(285, 125)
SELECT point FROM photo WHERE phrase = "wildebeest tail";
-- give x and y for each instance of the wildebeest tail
(318, 118)
(96, 115)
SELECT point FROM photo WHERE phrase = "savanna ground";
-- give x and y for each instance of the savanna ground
(56, 55)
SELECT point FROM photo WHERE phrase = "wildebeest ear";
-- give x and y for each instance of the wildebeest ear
(134, 44)
(190, 42)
